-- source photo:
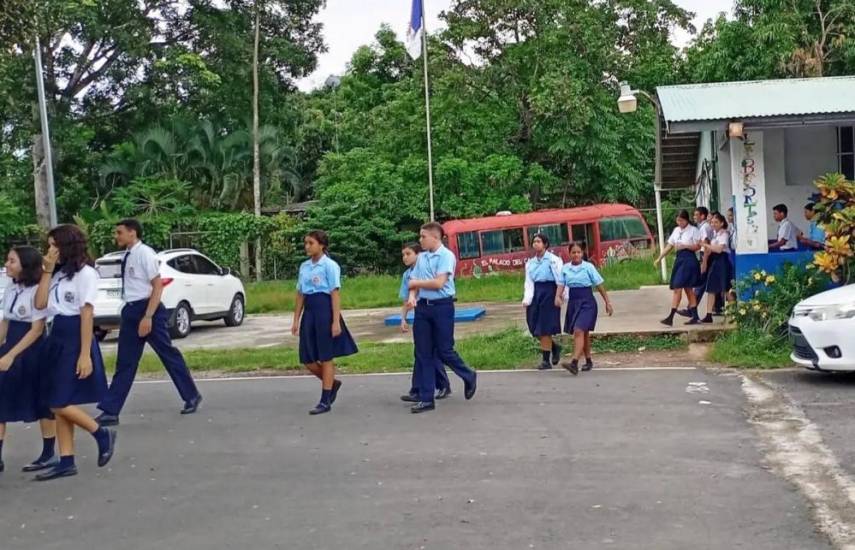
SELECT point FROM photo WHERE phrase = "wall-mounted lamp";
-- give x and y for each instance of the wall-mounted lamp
(735, 130)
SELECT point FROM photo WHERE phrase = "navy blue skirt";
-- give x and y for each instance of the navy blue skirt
(582, 310)
(686, 272)
(23, 388)
(719, 273)
(63, 350)
(316, 340)
(543, 318)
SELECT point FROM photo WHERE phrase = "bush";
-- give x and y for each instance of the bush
(835, 214)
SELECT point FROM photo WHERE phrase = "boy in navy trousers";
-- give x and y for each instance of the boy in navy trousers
(432, 293)
(144, 319)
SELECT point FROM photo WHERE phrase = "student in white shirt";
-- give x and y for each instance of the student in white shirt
(686, 241)
(788, 233)
(68, 288)
(716, 265)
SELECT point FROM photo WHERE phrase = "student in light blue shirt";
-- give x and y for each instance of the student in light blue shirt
(318, 320)
(815, 237)
(580, 278)
(409, 255)
(542, 273)
(432, 294)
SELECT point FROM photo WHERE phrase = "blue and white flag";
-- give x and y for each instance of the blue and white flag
(415, 30)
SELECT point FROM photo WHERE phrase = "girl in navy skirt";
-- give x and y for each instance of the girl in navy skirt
(22, 380)
(409, 255)
(686, 240)
(717, 264)
(580, 278)
(68, 288)
(543, 316)
(317, 318)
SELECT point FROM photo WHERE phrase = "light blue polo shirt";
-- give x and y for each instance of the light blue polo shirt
(539, 270)
(430, 265)
(319, 278)
(815, 233)
(404, 292)
(580, 276)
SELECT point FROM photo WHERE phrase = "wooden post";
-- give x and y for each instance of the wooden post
(244, 260)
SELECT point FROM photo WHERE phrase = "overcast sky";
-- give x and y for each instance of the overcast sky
(349, 24)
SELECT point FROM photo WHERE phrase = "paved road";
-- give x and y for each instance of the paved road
(611, 459)
(636, 312)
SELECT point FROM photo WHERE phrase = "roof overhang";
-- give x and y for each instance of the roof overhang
(761, 123)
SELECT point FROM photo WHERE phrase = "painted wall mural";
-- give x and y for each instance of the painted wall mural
(749, 191)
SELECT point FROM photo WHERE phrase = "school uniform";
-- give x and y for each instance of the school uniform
(433, 329)
(787, 230)
(816, 233)
(316, 282)
(139, 267)
(687, 271)
(706, 233)
(67, 295)
(23, 388)
(442, 381)
(582, 308)
(718, 265)
(541, 281)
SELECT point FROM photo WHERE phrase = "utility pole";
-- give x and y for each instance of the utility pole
(256, 154)
(44, 170)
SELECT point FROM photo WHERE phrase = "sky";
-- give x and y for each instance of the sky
(349, 24)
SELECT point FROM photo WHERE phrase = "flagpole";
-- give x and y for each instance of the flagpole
(427, 111)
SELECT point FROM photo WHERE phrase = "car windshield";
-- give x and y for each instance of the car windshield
(109, 269)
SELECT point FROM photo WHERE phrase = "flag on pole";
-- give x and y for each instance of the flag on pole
(415, 30)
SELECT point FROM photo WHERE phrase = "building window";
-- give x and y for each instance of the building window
(467, 245)
(502, 241)
(846, 151)
(556, 233)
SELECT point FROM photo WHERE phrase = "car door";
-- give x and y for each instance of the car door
(210, 279)
(187, 284)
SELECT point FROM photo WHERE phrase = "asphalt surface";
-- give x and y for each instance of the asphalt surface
(653, 459)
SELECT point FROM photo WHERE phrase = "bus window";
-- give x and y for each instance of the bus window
(502, 241)
(467, 245)
(556, 233)
(622, 228)
(584, 235)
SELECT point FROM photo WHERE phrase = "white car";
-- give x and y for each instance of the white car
(194, 288)
(822, 329)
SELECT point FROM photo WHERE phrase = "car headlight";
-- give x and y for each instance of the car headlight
(830, 313)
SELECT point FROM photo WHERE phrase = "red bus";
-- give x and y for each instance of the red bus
(607, 232)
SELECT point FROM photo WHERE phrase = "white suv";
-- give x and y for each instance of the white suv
(194, 288)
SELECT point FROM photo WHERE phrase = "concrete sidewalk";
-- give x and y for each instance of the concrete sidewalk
(636, 312)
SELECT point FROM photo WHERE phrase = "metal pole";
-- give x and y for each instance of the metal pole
(256, 155)
(657, 182)
(427, 112)
(43, 115)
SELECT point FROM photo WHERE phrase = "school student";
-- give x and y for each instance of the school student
(432, 293)
(67, 289)
(144, 319)
(409, 255)
(542, 273)
(701, 217)
(686, 241)
(788, 234)
(317, 318)
(815, 237)
(716, 265)
(580, 278)
(22, 376)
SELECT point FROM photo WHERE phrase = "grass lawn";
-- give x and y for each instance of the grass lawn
(510, 349)
(371, 291)
(751, 349)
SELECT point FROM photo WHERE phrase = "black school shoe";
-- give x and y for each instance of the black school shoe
(336, 385)
(39, 465)
(192, 406)
(442, 393)
(410, 398)
(572, 366)
(587, 366)
(320, 408)
(422, 406)
(56, 473)
(556, 354)
(684, 313)
(544, 365)
(104, 420)
(469, 389)
(105, 454)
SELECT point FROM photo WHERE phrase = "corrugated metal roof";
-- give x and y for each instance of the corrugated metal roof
(757, 99)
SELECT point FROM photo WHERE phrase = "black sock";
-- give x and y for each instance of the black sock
(671, 315)
(326, 395)
(588, 361)
(47, 449)
(545, 354)
(694, 312)
(66, 461)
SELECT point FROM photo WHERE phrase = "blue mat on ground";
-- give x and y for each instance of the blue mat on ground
(463, 315)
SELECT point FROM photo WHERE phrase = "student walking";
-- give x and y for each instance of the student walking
(580, 278)
(432, 293)
(409, 255)
(543, 316)
(67, 289)
(23, 380)
(144, 320)
(686, 240)
(318, 320)
(717, 265)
